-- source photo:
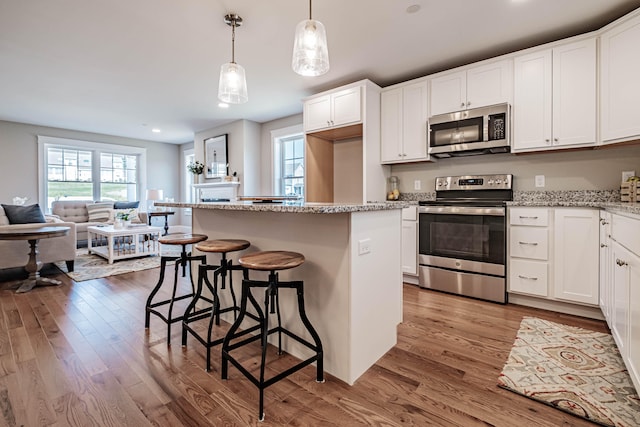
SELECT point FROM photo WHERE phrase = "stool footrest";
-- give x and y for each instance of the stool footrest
(168, 301)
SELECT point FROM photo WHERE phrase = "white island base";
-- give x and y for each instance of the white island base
(352, 277)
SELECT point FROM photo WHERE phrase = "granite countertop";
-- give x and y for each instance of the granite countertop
(605, 199)
(291, 207)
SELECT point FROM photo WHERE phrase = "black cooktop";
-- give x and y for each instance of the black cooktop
(461, 202)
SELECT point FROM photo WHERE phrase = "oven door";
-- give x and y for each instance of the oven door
(463, 238)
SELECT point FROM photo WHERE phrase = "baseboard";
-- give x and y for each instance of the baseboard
(558, 306)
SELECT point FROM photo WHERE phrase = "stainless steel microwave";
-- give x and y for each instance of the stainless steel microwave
(484, 130)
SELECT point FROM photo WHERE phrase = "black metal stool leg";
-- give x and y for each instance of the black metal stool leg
(224, 370)
(192, 305)
(173, 298)
(312, 331)
(263, 358)
(163, 265)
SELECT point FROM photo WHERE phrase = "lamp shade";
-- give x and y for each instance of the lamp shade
(310, 51)
(154, 195)
(233, 84)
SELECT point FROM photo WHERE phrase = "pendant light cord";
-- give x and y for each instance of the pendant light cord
(310, 10)
(233, 41)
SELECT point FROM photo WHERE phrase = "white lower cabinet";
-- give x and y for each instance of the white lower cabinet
(606, 266)
(576, 241)
(624, 305)
(410, 240)
(553, 254)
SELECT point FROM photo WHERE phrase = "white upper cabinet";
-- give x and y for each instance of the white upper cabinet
(555, 98)
(333, 110)
(403, 124)
(476, 87)
(619, 82)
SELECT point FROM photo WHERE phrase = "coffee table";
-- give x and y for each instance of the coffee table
(122, 243)
(33, 235)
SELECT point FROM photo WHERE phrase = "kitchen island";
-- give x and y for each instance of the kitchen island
(352, 274)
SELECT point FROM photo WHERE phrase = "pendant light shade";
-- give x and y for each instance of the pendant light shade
(232, 88)
(310, 51)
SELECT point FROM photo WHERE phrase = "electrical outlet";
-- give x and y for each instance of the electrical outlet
(417, 185)
(364, 246)
(539, 180)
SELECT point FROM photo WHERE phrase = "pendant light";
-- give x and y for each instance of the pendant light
(310, 52)
(233, 84)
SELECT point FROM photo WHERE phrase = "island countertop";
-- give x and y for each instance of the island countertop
(291, 207)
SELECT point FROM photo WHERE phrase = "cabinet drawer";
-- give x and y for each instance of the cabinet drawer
(626, 231)
(529, 242)
(410, 213)
(529, 216)
(530, 277)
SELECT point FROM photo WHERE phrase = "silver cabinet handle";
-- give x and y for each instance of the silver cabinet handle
(468, 103)
(528, 217)
(529, 243)
(546, 140)
(462, 105)
(621, 263)
(555, 139)
(527, 278)
(602, 245)
(603, 221)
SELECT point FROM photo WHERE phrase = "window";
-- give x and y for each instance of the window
(289, 161)
(83, 170)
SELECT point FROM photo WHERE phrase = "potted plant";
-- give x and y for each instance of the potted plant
(123, 218)
(196, 168)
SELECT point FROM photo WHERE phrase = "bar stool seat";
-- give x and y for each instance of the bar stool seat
(271, 261)
(181, 239)
(223, 247)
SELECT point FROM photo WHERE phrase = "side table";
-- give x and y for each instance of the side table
(165, 214)
(33, 235)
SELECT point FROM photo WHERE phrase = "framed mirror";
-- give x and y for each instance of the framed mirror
(216, 160)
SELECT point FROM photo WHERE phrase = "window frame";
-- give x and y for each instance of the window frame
(278, 137)
(46, 142)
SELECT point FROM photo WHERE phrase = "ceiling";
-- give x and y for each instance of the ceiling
(124, 67)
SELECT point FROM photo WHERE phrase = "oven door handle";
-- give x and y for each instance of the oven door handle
(462, 210)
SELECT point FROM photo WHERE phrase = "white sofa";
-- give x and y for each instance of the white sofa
(76, 211)
(15, 253)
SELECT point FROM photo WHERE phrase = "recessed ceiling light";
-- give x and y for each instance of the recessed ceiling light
(413, 8)
(156, 130)
(223, 105)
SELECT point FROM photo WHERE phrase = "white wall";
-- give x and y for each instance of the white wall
(568, 170)
(243, 142)
(19, 159)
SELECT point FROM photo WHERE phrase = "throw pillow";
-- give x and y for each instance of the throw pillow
(52, 219)
(24, 214)
(133, 215)
(100, 212)
(126, 205)
(3, 217)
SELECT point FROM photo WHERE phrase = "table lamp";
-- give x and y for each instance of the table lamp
(152, 196)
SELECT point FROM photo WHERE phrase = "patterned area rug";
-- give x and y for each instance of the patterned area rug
(572, 369)
(88, 267)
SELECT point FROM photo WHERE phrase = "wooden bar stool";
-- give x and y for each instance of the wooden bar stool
(270, 261)
(223, 247)
(182, 260)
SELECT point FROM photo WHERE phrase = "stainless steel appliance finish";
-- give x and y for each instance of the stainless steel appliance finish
(484, 130)
(462, 236)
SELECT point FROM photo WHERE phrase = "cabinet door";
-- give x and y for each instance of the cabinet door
(490, 84)
(410, 247)
(605, 265)
(633, 267)
(317, 113)
(448, 93)
(620, 314)
(346, 107)
(619, 82)
(414, 122)
(391, 126)
(532, 101)
(576, 242)
(574, 94)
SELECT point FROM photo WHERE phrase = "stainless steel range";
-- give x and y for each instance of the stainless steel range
(462, 236)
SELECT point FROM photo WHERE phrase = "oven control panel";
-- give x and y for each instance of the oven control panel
(475, 182)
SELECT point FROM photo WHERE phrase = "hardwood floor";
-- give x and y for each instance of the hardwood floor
(78, 355)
